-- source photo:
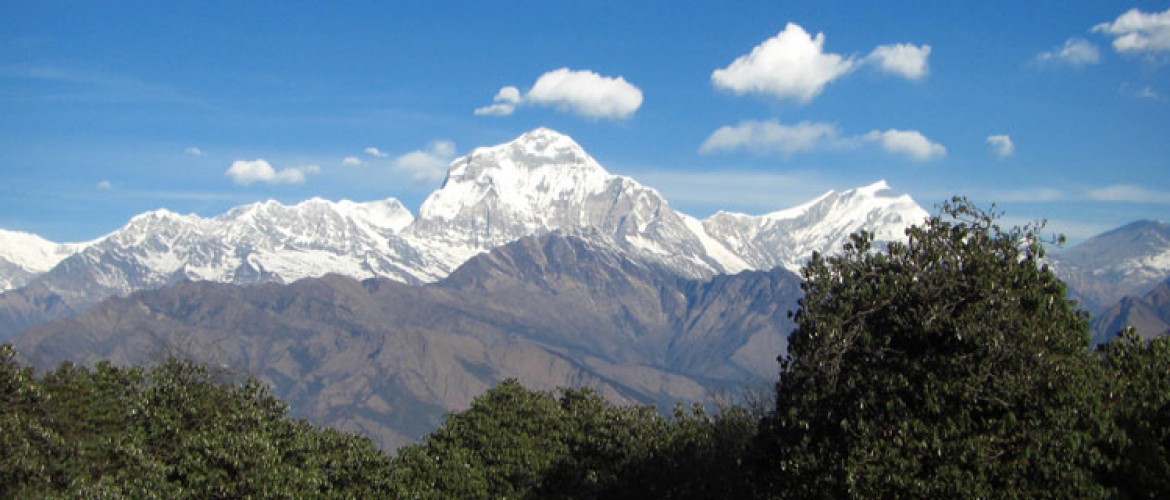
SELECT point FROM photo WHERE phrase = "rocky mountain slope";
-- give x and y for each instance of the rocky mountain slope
(1148, 313)
(1129, 260)
(538, 183)
(388, 359)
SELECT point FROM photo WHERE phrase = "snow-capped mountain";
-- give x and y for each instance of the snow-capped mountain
(544, 181)
(540, 182)
(1129, 260)
(788, 237)
(23, 256)
(248, 244)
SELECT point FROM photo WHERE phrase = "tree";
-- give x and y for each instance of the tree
(950, 364)
(175, 430)
(518, 443)
(1141, 400)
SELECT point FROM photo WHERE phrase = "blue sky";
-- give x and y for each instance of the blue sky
(1055, 110)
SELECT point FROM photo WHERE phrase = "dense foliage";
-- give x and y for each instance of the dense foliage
(950, 365)
(518, 443)
(1140, 394)
(172, 431)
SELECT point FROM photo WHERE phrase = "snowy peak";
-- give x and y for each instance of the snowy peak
(535, 169)
(540, 182)
(23, 256)
(543, 181)
(32, 252)
(788, 237)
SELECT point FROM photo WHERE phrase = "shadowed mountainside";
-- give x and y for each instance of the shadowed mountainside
(388, 359)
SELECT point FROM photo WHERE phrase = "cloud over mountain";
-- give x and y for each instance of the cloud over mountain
(791, 65)
(908, 142)
(246, 172)
(427, 165)
(771, 136)
(775, 137)
(581, 92)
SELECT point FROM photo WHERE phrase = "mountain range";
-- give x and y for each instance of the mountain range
(389, 359)
(540, 182)
(530, 261)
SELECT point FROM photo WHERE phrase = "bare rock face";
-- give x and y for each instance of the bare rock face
(388, 359)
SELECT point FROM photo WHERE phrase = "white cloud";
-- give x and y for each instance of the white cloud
(775, 137)
(246, 172)
(908, 142)
(771, 136)
(497, 109)
(586, 93)
(1129, 193)
(503, 104)
(790, 65)
(104, 184)
(429, 165)
(351, 160)
(580, 91)
(903, 59)
(193, 151)
(1001, 145)
(1075, 52)
(373, 151)
(1137, 31)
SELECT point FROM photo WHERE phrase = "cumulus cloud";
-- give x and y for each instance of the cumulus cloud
(351, 160)
(586, 93)
(1001, 145)
(1075, 52)
(375, 152)
(503, 104)
(1129, 193)
(104, 184)
(790, 65)
(193, 151)
(903, 59)
(771, 136)
(429, 165)
(1136, 31)
(246, 172)
(908, 142)
(579, 91)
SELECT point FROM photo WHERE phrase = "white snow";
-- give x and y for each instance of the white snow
(540, 182)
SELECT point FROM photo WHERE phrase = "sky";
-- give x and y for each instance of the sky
(1049, 110)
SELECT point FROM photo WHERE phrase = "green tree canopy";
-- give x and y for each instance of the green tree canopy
(950, 364)
(176, 430)
(1140, 396)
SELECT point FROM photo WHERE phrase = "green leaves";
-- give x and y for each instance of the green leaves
(175, 430)
(937, 366)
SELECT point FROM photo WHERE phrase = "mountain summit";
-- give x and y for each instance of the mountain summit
(541, 182)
